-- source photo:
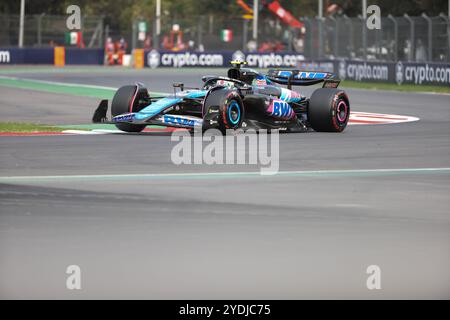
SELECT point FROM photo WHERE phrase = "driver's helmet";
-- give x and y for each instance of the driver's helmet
(243, 74)
(225, 83)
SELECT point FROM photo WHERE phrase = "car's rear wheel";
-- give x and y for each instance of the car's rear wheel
(126, 100)
(223, 109)
(328, 110)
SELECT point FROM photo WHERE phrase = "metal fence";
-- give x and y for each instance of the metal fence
(419, 38)
(48, 30)
(204, 32)
(407, 38)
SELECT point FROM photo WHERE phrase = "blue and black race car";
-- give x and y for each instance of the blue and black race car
(244, 99)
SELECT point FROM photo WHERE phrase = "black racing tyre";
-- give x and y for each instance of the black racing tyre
(225, 107)
(328, 110)
(126, 100)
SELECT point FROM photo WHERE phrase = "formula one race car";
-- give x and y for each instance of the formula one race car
(244, 99)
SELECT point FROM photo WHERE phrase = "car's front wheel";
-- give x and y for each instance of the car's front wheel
(126, 100)
(223, 109)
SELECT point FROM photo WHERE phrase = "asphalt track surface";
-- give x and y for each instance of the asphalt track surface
(295, 235)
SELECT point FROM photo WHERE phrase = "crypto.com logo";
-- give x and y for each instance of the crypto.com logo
(399, 73)
(153, 59)
(241, 148)
(342, 70)
(373, 21)
(73, 22)
(238, 55)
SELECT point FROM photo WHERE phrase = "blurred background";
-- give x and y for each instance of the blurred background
(411, 30)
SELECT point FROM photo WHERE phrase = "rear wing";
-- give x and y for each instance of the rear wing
(303, 78)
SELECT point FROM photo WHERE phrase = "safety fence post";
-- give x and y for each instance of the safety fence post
(390, 17)
(447, 21)
(320, 53)
(308, 38)
(351, 47)
(335, 40)
(364, 37)
(411, 38)
(430, 36)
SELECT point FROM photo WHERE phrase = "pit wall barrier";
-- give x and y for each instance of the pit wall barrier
(401, 72)
(211, 59)
(58, 56)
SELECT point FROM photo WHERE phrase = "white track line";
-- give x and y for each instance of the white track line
(55, 83)
(93, 132)
(222, 174)
(70, 84)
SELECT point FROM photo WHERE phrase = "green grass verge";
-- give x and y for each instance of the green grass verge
(34, 127)
(31, 127)
(394, 87)
(72, 89)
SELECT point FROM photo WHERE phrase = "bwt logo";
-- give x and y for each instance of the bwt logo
(5, 57)
(280, 109)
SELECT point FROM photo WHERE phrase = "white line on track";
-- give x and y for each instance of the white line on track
(95, 131)
(55, 83)
(70, 84)
(6, 179)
